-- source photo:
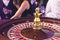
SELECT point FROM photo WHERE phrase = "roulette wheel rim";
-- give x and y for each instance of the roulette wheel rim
(22, 21)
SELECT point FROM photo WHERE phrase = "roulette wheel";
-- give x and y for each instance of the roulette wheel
(27, 29)
(14, 29)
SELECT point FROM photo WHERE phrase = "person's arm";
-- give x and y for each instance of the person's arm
(24, 6)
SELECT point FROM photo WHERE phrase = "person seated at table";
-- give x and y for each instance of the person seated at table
(27, 7)
(53, 9)
(7, 9)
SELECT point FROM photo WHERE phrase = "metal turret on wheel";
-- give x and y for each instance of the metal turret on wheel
(37, 19)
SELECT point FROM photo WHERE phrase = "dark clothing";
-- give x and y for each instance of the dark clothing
(44, 3)
(30, 11)
(11, 9)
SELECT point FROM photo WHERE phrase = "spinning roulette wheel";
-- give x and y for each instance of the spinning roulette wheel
(14, 28)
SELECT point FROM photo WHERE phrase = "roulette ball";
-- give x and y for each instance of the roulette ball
(22, 29)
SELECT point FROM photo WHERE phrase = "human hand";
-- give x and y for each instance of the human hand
(43, 11)
(12, 17)
(15, 17)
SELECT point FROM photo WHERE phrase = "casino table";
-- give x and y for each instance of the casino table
(15, 29)
(3, 37)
